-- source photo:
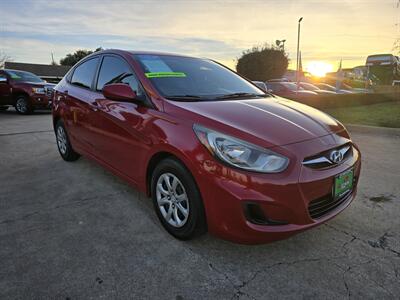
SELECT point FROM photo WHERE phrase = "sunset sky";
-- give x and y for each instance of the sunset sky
(331, 30)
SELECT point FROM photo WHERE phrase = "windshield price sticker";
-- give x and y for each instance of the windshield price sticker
(165, 74)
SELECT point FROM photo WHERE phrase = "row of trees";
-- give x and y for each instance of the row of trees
(72, 58)
(263, 63)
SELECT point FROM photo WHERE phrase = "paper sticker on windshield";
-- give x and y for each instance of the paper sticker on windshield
(154, 64)
(164, 74)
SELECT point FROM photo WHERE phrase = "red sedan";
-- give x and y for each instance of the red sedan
(212, 150)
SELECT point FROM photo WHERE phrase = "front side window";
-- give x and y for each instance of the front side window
(84, 73)
(194, 79)
(115, 70)
(275, 87)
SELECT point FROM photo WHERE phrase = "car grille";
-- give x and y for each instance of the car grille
(324, 159)
(324, 205)
(49, 92)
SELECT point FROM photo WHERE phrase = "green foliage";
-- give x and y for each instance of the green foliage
(384, 114)
(263, 63)
(72, 58)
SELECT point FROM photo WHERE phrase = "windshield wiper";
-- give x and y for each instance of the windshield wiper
(185, 97)
(240, 95)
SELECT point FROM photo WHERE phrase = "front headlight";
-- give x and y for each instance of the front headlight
(38, 90)
(239, 153)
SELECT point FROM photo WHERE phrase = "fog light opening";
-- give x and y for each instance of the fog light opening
(255, 214)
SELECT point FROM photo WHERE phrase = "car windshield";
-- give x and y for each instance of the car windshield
(194, 79)
(24, 76)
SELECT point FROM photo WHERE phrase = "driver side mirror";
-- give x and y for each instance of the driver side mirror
(119, 92)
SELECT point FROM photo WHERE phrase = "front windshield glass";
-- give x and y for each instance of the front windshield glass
(24, 76)
(195, 79)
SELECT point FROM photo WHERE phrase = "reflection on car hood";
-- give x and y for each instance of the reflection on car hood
(277, 121)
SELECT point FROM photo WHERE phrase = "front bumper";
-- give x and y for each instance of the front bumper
(41, 101)
(282, 197)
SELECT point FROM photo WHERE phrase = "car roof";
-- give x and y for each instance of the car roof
(136, 52)
(12, 70)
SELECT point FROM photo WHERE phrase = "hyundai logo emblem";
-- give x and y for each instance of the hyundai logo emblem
(336, 156)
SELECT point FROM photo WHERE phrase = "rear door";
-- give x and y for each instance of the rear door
(120, 127)
(5, 89)
(81, 103)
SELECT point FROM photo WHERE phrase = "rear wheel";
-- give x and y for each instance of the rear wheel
(22, 105)
(177, 200)
(63, 143)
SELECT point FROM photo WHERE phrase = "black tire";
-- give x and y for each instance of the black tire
(63, 143)
(3, 108)
(195, 224)
(22, 105)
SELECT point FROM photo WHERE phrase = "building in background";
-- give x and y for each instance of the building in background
(50, 73)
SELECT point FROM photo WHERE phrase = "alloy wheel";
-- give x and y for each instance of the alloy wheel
(22, 105)
(172, 200)
(61, 140)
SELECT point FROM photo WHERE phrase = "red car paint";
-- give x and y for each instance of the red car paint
(12, 88)
(128, 138)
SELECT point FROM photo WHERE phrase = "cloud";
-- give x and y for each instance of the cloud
(216, 29)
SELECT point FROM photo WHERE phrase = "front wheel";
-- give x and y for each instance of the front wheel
(63, 143)
(177, 200)
(22, 105)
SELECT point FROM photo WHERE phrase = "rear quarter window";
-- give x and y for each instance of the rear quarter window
(84, 73)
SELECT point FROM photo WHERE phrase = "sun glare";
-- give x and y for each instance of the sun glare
(319, 68)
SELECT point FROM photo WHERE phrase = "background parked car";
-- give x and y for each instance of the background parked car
(23, 90)
(328, 87)
(261, 85)
(288, 90)
(310, 87)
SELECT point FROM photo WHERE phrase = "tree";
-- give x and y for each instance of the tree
(3, 58)
(263, 63)
(72, 59)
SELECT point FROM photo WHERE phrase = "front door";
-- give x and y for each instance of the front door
(5, 90)
(120, 127)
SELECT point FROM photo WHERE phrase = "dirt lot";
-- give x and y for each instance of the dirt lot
(73, 230)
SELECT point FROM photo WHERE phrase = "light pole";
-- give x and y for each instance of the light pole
(298, 48)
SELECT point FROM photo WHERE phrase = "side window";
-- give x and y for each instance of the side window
(115, 70)
(278, 87)
(84, 73)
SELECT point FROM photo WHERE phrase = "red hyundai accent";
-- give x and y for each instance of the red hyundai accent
(212, 150)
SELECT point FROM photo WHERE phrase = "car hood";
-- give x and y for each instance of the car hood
(275, 121)
(33, 84)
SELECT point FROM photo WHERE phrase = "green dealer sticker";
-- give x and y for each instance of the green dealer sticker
(165, 74)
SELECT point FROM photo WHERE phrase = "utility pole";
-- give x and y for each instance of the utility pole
(52, 59)
(298, 49)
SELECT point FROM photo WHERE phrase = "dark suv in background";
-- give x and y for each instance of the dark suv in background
(23, 90)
